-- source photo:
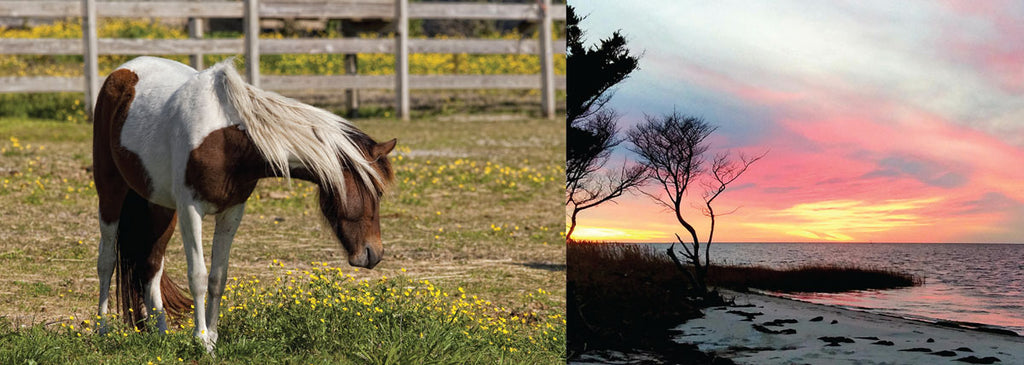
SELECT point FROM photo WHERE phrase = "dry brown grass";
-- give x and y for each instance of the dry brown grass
(625, 298)
(433, 228)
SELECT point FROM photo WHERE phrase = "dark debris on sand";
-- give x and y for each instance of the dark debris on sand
(836, 340)
(977, 360)
(763, 329)
(917, 349)
(749, 315)
(780, 322)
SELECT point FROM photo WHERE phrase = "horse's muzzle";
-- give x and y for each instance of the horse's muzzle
(368, 258)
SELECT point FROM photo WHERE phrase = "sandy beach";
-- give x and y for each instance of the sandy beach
(770, 330)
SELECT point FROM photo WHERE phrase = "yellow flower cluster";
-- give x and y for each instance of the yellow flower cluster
(469, 175)
(28, 172)
(325, 292)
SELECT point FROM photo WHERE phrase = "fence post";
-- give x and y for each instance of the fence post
(352, 95)
(252, 41)
(402, 58)
(195, 31)
(92, 82)
(547, 63)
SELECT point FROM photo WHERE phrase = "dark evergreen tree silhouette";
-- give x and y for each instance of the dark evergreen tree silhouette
(590, 126)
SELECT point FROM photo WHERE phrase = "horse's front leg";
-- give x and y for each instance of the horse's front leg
(224, 234)
(191, 222)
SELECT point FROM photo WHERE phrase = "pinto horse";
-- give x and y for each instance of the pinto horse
(173, 144)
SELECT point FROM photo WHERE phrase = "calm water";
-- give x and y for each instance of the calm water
(978, 283)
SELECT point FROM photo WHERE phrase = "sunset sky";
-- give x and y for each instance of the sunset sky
(884, 121)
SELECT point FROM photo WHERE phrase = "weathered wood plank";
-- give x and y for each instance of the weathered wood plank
(91, 55)
(252, 41)
(340, 82)
(329, 9)
(41, 9)
(326, 45)
(156, 9)
(41, 84)
(441, 10)
(324, 9)
(314, 82)
(480, 46)
(547, 66)
(335, 82)
(402, 59)
(125, 46)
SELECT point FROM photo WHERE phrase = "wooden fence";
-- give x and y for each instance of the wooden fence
(398, 11)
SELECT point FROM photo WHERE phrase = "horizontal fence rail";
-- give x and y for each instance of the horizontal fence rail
(388, 10)
(271, 9)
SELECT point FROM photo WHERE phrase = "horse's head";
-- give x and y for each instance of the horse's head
(354, 216)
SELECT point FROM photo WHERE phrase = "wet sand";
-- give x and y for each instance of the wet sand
(771, 330)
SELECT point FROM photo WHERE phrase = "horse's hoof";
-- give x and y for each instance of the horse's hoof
(208, 342)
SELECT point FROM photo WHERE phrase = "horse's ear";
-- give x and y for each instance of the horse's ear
(382, 149)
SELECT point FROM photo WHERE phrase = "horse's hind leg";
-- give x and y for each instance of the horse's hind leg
(162, 220)
(111, 191)
(142, 235)
(105, 267)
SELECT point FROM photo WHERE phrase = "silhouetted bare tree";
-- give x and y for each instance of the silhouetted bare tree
(672, 149)
(595, 188)
(590, 127)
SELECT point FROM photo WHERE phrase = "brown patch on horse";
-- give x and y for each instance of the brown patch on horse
(376, 153)
(225, 168)
(115, 168)
(142, 236)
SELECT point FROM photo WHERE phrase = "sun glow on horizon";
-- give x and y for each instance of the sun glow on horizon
(842, 220)
(615, 234)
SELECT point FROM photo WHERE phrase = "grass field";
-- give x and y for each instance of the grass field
(473, 272)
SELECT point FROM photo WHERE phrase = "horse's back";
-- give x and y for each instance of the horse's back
(140, 91)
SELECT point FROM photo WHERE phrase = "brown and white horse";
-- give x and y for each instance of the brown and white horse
(171, 143)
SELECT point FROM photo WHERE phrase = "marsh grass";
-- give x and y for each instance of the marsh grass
(811, 278)
(625, 297)
(475, 206)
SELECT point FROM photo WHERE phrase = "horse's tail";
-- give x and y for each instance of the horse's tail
(142, 235)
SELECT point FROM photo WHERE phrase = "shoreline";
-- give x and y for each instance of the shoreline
(769, 329)
(966, 325)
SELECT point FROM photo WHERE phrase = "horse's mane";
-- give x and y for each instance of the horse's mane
(281, 127)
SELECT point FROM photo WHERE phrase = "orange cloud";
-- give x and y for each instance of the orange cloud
(843, 220)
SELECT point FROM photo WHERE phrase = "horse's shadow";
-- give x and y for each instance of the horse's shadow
(543, 266)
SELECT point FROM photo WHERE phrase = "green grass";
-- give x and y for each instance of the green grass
(317, 315)
(476, 206)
